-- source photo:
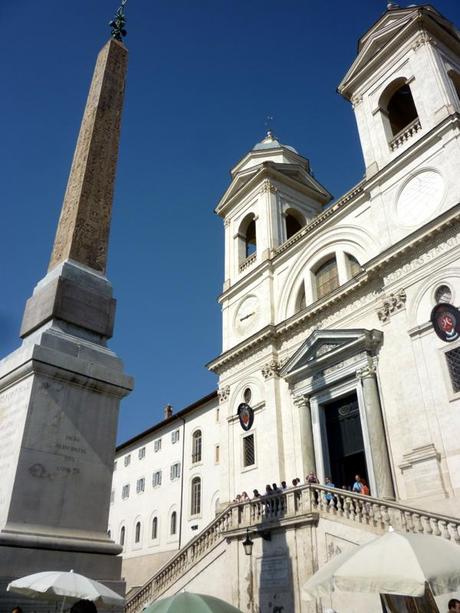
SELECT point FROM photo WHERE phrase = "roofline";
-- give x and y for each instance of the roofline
(165, 422)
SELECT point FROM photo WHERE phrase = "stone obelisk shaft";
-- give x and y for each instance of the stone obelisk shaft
(84, 224)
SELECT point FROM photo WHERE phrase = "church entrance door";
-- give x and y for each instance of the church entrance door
(345, 440)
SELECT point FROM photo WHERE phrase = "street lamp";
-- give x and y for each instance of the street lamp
(247, 544)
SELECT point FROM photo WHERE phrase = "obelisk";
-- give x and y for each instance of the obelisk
(60, 391)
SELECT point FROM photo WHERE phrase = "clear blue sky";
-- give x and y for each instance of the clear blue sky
(202, 77)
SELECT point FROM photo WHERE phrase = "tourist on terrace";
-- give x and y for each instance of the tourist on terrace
(244, 497)
(328, 496)
(454, 605)
(311, 478)
(284, 485)
(256, 493)
(357, 485)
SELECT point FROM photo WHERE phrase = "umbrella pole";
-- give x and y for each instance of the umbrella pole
(63, 603)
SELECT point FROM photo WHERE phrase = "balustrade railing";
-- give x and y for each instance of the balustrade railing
(308, 500)
(405, 134)
(249, 261)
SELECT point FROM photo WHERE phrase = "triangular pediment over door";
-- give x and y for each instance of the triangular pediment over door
(324, 348)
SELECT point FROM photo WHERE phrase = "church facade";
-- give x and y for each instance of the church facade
(330, 362)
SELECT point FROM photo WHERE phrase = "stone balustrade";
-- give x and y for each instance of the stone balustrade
(314, 501)
(405, 134)
(249, 261)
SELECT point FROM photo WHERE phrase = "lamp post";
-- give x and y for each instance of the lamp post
(248, 544)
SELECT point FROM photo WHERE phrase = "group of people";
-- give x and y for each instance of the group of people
(359, 487)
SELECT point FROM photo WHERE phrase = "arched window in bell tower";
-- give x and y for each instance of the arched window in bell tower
(294, 222)
(455, 78)
(247, 237)
(398, 107)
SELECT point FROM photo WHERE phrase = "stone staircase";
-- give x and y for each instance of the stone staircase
(305, 503)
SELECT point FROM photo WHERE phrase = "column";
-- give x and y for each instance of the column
(376, 433)
(306, 434)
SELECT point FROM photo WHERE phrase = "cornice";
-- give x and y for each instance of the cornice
(255, 341)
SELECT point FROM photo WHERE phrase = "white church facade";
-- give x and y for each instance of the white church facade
(326, 317)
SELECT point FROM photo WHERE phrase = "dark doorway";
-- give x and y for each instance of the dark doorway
(345, 440)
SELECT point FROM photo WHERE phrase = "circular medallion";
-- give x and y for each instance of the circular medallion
(246, 416)
(247, 315)
(419, 198)
(446, 322)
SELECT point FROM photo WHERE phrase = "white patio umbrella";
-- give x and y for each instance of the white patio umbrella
(394, 563)
(54, 585)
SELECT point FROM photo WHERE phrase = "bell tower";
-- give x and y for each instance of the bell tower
(404, 82)
(271, 197)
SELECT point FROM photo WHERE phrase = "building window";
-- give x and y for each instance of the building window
(156, 478)
(125, 492)
(294, 223)
(354, 266)
(453, 365)
(443, 294)
(401, 109)
(157, 445)
(195, 507)
(217, 414)
(115, 466)
(127, 459)
(196, 446)
(112, 496)
(140, 485)
(174, 436)
(247, 395)
(109, 533)
(398, 109)
(455, 78)
(154, 528)
(247, 242)
(173, 524)
(122, 536)
(249, 456)
(250, 239)
(217, 454)
(327, 278)
(141, 453)
(137, 534)
(175, 471)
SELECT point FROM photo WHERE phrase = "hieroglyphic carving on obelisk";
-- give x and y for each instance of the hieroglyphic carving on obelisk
(84, 224)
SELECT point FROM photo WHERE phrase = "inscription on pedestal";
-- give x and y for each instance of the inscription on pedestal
(274, 572)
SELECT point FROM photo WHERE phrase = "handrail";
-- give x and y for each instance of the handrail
(307, 500)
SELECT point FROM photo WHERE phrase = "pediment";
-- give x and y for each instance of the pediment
(386, 30)
(252, 177)
(326, 347)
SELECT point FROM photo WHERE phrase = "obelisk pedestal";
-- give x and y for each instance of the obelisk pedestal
(60, 391)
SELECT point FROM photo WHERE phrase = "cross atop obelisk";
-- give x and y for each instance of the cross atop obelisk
(84, 224)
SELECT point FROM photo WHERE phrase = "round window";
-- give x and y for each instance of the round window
(247, 395)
